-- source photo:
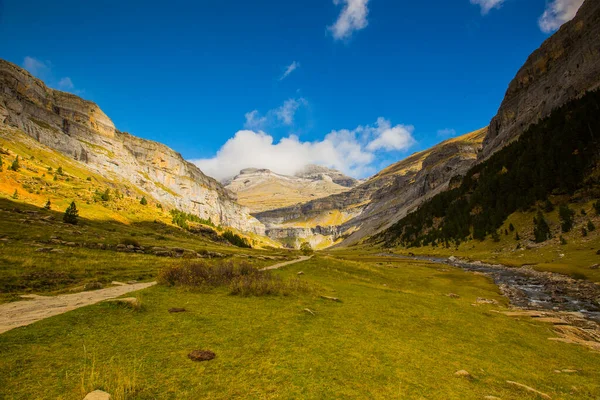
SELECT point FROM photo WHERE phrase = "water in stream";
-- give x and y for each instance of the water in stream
(531, 289)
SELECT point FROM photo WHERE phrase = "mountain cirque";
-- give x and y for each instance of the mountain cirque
(79, 129)
(262, 189)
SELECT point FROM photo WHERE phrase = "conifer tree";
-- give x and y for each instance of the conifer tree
(143, 201)
(541, 230)
(15, 165)
(48, 205)
(71, 214)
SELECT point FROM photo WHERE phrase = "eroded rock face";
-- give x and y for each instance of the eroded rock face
(78, 128)
(565, 67)
(380, 201)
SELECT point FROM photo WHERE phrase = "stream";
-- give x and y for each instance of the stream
(530, 289)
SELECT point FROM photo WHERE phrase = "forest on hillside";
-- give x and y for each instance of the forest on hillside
(556, 156)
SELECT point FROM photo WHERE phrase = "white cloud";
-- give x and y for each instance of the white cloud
(36, 67)
(391, 138)
(289, 69)
(283, 115)
(352, 18)
(65, 84)
(487, 5)
(350, 151)
(557, 13)
(43, 71)
(446, 132)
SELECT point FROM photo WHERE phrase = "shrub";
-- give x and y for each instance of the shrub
(236, 240)
(143, 201)
(59, 171)
(71, 214)
(566, 217)
(48, 205)
(306, 249)
(590, 226)
(15, 195)
(511, 227)
(130, 242)
(242, 280)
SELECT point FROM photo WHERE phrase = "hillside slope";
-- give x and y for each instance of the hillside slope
(347, 217)
(79, 129)
(565, 67)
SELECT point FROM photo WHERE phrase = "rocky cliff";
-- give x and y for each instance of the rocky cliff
(564, 67)
(78, 128)
(382, 200)
(262, 189)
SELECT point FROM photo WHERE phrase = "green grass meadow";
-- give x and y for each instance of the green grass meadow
(394, 335)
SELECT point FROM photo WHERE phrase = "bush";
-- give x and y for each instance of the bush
(590, 226)
(143, 201)
(306, 249)
(242, 280)
(15, 195)
(236, 240)
(59, 171)
(71, 214)
(566, 217)
(48, 205)
(130, 242)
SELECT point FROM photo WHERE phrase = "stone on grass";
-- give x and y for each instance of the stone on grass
(177, 310)
(529, 389)
(331, 298)
(97, 395)
(44, 250)
(301, 273)
(201, 355)
(463, 374)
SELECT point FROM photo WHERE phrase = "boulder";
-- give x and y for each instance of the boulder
(97, 395)
(201, 355)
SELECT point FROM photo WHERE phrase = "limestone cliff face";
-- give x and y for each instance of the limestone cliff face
(564, 67)
(380, 201)
(262, 189)
(78, 128)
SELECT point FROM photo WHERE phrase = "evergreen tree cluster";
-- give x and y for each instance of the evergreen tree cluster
(551, 157)
(236, 240)
(181, 219)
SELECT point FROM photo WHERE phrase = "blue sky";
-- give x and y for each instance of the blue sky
(354, 84)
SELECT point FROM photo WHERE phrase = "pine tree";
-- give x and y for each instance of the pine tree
(15, 165)
(517, 237)
(590, 226)
(566, 218)
(511, 227)
(584, 232)
(541, 230)
(143, 201)
(15, 195)
(71, 214)
(548, 206)
(1, 164)
(563, 241)
(59, 171)
(597, 207)
(48, 205)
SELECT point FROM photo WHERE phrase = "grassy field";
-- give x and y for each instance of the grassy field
(395, 334)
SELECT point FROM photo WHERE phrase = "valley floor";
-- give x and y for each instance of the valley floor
(394, 334)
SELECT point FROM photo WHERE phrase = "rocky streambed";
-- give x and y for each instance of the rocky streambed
(533, 290)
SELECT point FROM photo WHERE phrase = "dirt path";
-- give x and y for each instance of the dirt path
(22, 313)
(283, 264)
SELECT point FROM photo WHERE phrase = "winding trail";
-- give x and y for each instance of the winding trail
(22, 313)
(283, 264)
